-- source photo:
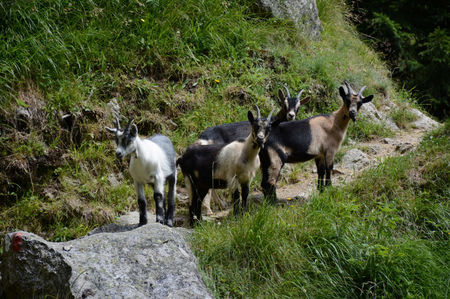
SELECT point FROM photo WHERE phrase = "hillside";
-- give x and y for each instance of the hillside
(177, 68)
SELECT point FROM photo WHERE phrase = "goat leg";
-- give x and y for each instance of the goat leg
(142, 204)
(159, 205)
(170, 201)
(245, 191)
(236, 207)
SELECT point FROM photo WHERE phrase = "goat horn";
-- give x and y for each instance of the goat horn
(361, 91)
(287, 91)
(117, 123)
(270, 115)
(257, 111)
(350, 90)
(299, 94)
(128, 125)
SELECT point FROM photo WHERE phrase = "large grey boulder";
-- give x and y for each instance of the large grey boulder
(303, 13)
(152, 261)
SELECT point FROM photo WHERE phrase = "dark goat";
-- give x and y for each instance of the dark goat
(318, 138)
(227, 133)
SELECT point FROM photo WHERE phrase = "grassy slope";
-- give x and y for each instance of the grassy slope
(389, 238)
(176, 68)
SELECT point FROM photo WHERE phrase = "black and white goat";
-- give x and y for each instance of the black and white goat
(318, 137)
(227, 133)
(153, 161)
(218, 166)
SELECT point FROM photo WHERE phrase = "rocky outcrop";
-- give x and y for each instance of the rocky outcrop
(152, 261)
(370, 112)
(355, 159)
(423, 122)
(303, 13)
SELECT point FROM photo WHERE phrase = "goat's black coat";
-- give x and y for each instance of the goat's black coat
(227, 133)
(191, 160)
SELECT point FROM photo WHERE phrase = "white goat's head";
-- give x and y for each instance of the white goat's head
(353, 101)
(124, 138)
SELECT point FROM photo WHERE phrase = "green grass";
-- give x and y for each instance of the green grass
(173, 67)
(388, 238)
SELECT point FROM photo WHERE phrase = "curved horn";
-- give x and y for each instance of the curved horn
(128, 125)
(257, 111)
(350, 90)
(361, 91)
(299, 94)
(287, 91)
(270, 115)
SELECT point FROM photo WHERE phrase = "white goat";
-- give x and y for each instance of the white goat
(152, 162)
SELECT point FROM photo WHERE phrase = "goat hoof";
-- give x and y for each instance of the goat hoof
(169, 223)
(144, 222)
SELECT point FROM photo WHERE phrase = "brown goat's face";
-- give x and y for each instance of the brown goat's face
(353, 101)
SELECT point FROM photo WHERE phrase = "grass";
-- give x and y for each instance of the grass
(388, 238)
(175, 68)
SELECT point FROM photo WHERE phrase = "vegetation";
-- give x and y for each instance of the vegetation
(177, 68)
(416, 47)
(388, 238)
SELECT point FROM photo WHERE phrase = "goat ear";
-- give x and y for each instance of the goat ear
(250, 116)
(367, 99)
(305, 101)
(111, 130)
(342, 93)
(281, 97)
(134, 130)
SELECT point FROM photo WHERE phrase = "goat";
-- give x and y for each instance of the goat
(152, 162)
(227, 133)
(218, 166)
(318, 138)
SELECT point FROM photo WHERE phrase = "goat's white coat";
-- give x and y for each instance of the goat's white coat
(238, 162)
(149, 163)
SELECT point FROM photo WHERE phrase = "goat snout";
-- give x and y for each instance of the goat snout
(352, 114)
(290, 116)
(260, 140)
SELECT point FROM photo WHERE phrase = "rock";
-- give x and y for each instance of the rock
(355, 159)
(390, 123)
(388, 140)
(423, 122)
(370, 112)
(151, 261)
(404, 147)
(303, 13)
